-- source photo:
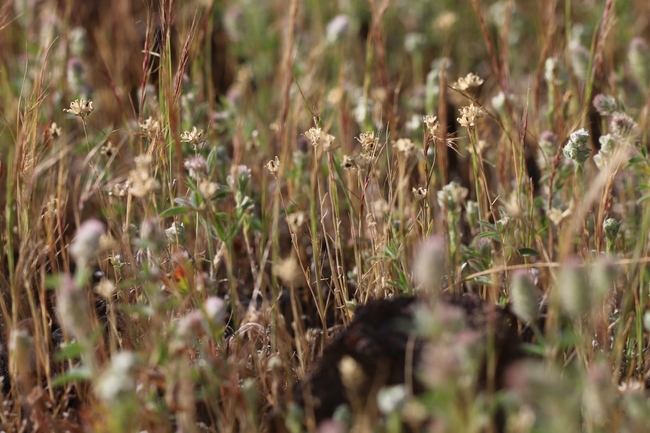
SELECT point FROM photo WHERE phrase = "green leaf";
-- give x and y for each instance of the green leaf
(71, 350)
(173, 211)
(492, 227)
(75, 374)
(633, 161)
(492, 235)
(528, 252)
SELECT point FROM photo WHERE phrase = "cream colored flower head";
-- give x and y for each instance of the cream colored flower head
(368, 141)
(80, 107)
(432, 123)
(274, 166)
(405, 147)
(469, 82)
(420, 193)
(468, 115)
(150, 127)
(318, 137)
(349, 163)
(196, 137)
(54, 131)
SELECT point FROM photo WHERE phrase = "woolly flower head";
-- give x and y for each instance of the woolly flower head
(452, 196)
(80, 107)
(605, 105)
(624, 126)
(140, 180)
(469, 82)
(576, 149)
(197, 166)
(468, 115)
(86, 242)
(405, 147)
(429, 266)
(117, 379)
(607, 146)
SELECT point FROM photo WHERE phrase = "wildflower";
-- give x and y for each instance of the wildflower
(176, 233)
(352, 374)
(381, 208)
(215, 309)
(469, 82)
(273, 166)
(141, 183)
(241, 173)
(413, 42)
(207, 189)
(579, 61)
(72, 308)
(150, 232)
(513, 206)
(574, 289)
(468, 115)
(197, 166)
(150, 127)
(337, 28)
(623, 126)
(86, 242)
(605, 105)
(391, 398)
(368, 141)
(117, 261)
(80, 107)
(405, 147)
(108, 149)
(120, 189)
(296, 220)
(117, 379)
(53, 131)
(576, 149)
(452, 196)
(557, 215)
(195, 137)
(632, 386)
(445, 21)
(432, 123)
(552, 71)
(430, 262)
(289, 271)
(524, 297)
(472, 213)
(349, 163)
(604, 155)
(105, 288)
(611, 227)
(420, 193)
(318, 137)
(499, 101)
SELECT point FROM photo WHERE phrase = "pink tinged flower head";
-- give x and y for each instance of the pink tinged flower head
(72, 308)
(86, 242)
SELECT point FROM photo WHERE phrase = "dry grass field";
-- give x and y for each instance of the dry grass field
(334, 216)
